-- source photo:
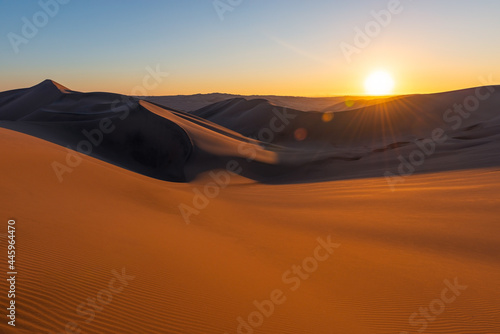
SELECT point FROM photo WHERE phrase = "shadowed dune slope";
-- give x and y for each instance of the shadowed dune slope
(445, 131)
(270, 143)
(110, 127)
(130, 133)
(389, 121)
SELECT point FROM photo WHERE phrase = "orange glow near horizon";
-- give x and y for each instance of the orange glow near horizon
(319, 82)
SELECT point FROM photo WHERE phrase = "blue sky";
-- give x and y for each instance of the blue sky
(286, 47)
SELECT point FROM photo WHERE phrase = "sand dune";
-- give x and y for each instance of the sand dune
(454, 130)
(116, 246)
(387, 121)
(110, 127)
(394, 256)
(121, 130)
(272, 143)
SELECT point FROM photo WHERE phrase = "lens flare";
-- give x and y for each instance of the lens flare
(327, 117)
(300, 134)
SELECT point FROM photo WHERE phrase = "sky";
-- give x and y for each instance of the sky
(261, 47)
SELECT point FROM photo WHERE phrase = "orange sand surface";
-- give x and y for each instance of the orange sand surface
(399, 251)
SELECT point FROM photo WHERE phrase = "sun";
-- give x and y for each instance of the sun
(379, 83)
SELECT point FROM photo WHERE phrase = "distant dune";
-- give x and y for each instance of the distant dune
(378, 219)
(321, 104)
